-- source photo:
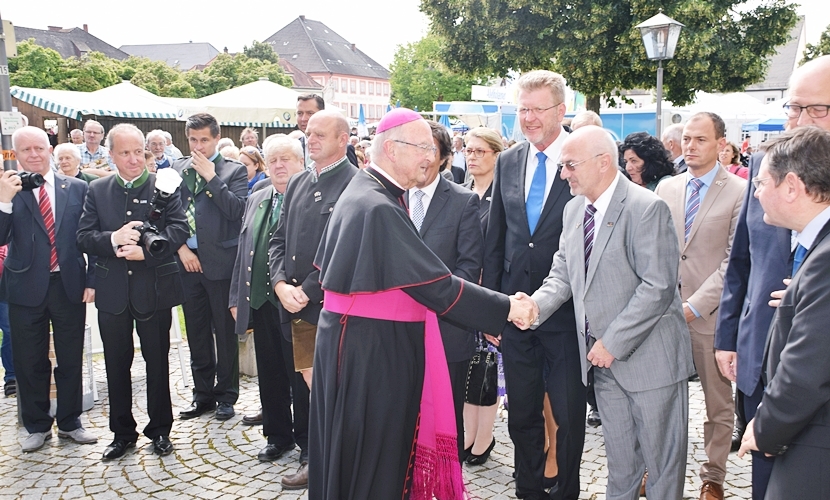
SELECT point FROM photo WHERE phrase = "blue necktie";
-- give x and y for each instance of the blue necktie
(536, 196)
(798, 257)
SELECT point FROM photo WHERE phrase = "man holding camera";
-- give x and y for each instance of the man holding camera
(44, 281)
(137, 284)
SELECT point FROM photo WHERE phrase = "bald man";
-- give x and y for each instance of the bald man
(619, 262)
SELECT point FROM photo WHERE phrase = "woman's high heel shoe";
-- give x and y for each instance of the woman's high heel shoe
(481, 459)
(465, 454)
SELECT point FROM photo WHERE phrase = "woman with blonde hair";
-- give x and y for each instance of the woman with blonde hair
(254, 163)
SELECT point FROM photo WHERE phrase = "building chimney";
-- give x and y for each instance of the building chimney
(55, 28)
(226, 50)
(86, 27)
(353, 47)
(302, 17)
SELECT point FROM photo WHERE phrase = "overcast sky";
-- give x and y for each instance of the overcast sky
(377, 28)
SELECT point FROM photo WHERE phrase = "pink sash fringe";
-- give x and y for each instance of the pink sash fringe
(437, 471)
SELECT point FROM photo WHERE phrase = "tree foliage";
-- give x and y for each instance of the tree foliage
(419, 76)
(822, 48)
(595, 45)
(262, 51)
(39, 67)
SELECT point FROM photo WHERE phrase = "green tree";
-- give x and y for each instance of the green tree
(595, 45)
(156, 77)
(227, 71)
(35, 66)
(821, 49)
(419, 76)
(262, 51)
(90, 72)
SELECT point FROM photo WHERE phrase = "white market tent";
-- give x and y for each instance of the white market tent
(256, 103)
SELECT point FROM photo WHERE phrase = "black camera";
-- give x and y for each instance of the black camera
(30, 180)
(151, 238)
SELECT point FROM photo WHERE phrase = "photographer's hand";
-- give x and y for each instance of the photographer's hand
(130, 252)
(9, 186)
(189, 260)
(127, 235)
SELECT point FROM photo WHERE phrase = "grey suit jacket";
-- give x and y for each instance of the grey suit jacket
(629, 295)
(705, 255)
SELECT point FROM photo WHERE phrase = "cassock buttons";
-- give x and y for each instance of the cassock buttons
(530, 244)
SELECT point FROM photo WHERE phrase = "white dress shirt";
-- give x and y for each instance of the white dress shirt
(552, 152)
(429, 193)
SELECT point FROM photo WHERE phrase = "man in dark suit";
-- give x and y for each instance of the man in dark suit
(44, 281)
(793, 419)
(252, 297)
(758, 264)
(135, 288)
(522, 236)
(309, 200)
(213, 196)
(446, 216)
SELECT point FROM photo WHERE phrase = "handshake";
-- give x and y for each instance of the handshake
(523, 310)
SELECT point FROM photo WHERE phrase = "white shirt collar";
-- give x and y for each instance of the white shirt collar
(810, 232)
(604, 200)
(383, 172)
(429, 189)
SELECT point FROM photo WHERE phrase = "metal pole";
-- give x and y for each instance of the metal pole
(659, 98)
(5, 97)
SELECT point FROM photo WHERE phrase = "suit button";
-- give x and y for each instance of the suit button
(248, 299)
(682, 257)
(247, 283)
(129, 212)
(252, 252)
(294, 280)
(293, 257)
(249, 269)
(135, 200)
(189, 198)
(129, 273)
(331, 209)
(530, 244)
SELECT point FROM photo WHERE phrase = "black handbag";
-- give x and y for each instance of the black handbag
(482, 379)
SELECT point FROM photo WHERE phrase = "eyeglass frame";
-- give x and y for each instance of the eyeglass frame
(815, 107)
(422, 147)
(536, 111)
(477, 153)
(758, 182)
(571, 165)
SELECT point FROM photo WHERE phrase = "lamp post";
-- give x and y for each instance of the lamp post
(660, 34)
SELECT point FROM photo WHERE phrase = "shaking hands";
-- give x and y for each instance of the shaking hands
(523, 310)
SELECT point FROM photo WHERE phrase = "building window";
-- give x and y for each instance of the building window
(385, 89)
(353, 110)
(344, 107)
(353, 86)
(770, 99)
(362, 87)
(344, 85)
(371, 88)
(333, 82)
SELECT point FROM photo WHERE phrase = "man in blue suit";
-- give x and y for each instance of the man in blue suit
(758, 264)
(44, 281)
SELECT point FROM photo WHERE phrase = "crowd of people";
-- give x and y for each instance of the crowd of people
(401, 287)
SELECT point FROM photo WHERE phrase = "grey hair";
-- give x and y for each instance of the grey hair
(586, 117)
(804, 151)
(276, 144)
(123, 128)
(68, 147)
(155, 133)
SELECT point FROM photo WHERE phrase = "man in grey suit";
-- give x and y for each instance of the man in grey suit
(619, 260)
(793, 420)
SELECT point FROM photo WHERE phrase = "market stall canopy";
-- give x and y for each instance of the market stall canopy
(254, 104)
(765, 125)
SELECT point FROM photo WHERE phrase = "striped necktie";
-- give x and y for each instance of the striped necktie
(692, 205)
(49, 220)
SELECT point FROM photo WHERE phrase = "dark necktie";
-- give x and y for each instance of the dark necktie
(588, 229)
(692, 205)
(536, 195)
(49, 220)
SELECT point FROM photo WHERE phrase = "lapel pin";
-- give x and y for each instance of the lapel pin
(719, 183)
(610, 224)
(63, 186)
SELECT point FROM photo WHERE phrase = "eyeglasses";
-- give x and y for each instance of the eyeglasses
(424, 147)
(478, 153)
(571, 165)
(535, 111)
(759, 182)
(92, 132)
(813, 110)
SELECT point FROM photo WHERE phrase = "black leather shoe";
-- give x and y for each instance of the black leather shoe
(255, 419)
(10, 388)
(196, 409)
(272, 452)
(224, 411)
(737, 435)
(117, 448)
(481, 459)
(162, 446)
(593, 418)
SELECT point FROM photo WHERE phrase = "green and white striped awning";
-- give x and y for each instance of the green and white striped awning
(76, 105)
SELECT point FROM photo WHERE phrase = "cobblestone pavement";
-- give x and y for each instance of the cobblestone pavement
(218, 459)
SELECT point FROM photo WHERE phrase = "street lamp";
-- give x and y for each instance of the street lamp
(660, 34)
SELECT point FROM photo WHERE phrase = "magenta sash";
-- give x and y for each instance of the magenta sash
(437, 471)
